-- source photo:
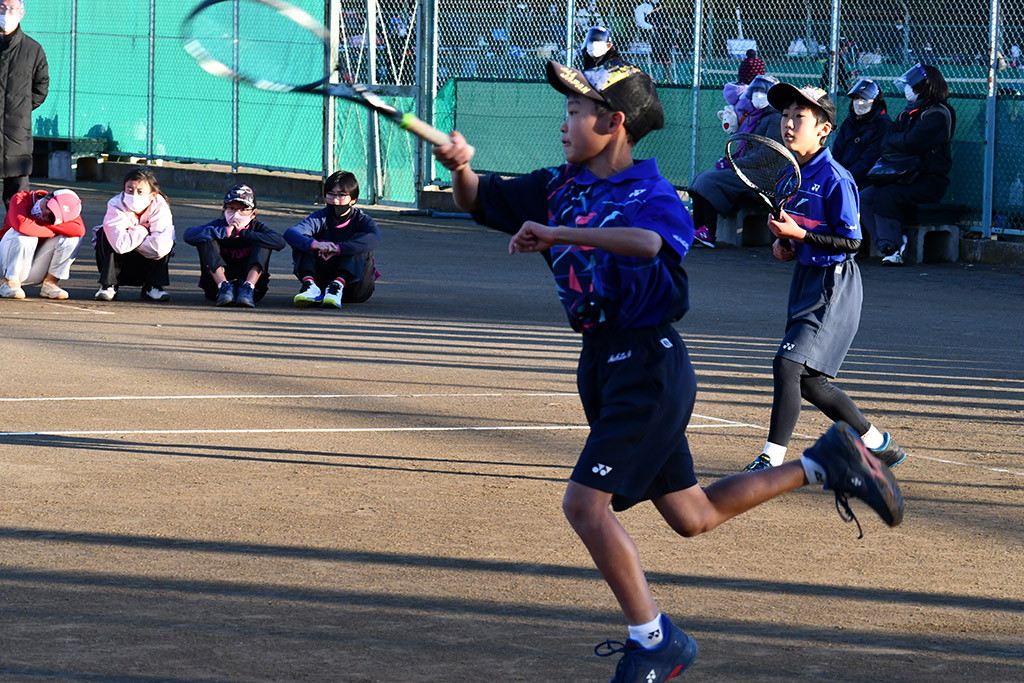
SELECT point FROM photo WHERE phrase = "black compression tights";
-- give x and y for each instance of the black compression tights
(794, 380)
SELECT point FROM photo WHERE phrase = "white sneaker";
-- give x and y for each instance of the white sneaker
(332, 299)
(155, 294)
(11, 291)
(52, 291)
(105, 294)
(310, 295)
(893, 259)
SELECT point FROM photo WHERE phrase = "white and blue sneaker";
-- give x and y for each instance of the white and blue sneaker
(309, 295)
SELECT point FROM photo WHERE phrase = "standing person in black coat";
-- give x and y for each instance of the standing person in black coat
(858, 143)
(24, 84)
(234, 251)
(920, 137)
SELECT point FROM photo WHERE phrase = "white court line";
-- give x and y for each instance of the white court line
(716, 422)
(323, 430)
(967, 464)
(79, 308)
(299, 430)
(206, 397)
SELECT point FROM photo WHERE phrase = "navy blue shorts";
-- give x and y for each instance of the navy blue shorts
(638, 388)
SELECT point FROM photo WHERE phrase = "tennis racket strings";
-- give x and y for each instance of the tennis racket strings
(762, 165)
(274, 46)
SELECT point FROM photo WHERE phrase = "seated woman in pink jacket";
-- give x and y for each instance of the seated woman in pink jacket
(39, 242)
(133, 246)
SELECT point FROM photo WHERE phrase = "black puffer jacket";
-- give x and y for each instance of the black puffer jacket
(925, 130)
(859, 144)
(24, 83)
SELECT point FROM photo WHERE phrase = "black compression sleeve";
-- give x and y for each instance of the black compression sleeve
(832, 242)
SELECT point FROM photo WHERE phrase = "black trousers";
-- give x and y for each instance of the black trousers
(704, 214)
(355, 269)
(129, 269)
(235, 269)
(12, 186)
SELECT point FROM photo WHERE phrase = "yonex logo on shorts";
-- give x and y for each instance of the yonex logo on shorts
(666, 342)
(601, 469)
(652, 676)
(789, 346)
(619, 356)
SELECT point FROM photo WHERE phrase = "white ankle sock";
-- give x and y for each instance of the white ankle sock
(775, 452)
(813, 471)
(873, 438)
(649, 635)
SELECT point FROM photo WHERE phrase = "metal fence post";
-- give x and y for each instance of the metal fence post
(151, 105)
(235, 104)
(698, 29)
(374, 170)
(570, 15)
(73, 82)
(833, 47)
(988, 182)
(426, 56)
(332, 19)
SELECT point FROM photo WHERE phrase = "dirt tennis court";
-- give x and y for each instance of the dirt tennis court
(202, 494)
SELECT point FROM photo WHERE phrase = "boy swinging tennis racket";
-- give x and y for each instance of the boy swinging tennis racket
(614, 233)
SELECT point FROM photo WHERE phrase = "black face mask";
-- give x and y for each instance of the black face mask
(335, 211)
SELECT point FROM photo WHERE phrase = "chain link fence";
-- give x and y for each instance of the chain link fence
(478, 66)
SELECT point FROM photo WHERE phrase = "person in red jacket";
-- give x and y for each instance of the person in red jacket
(39, 242)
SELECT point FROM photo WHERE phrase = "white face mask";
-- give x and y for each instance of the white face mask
(597, 49)
(236, 219)
(137, 202)
(862, 106)
(9, 22)
(908, 92)
(37, 208)
(759, 99)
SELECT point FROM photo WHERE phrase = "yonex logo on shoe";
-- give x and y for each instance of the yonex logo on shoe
(666, 343)
(601, 469)
(856, 481)
(620, 356)
(652, 676)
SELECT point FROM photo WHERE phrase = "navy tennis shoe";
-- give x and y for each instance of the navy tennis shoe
(852, 470)
(637, 665)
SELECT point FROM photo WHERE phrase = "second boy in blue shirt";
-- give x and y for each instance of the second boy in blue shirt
(820, 229)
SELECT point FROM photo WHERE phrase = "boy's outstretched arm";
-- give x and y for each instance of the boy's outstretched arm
(465, 182)
(625, 241)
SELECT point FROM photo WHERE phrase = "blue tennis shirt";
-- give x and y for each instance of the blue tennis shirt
(827, 202)
(602, 292)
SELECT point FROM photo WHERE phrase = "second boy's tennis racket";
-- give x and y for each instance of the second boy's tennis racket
(765, 166)
(276, 46)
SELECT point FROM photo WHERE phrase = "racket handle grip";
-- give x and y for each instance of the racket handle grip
(424, 130)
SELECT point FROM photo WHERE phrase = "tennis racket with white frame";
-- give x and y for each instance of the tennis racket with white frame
(279, 47)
